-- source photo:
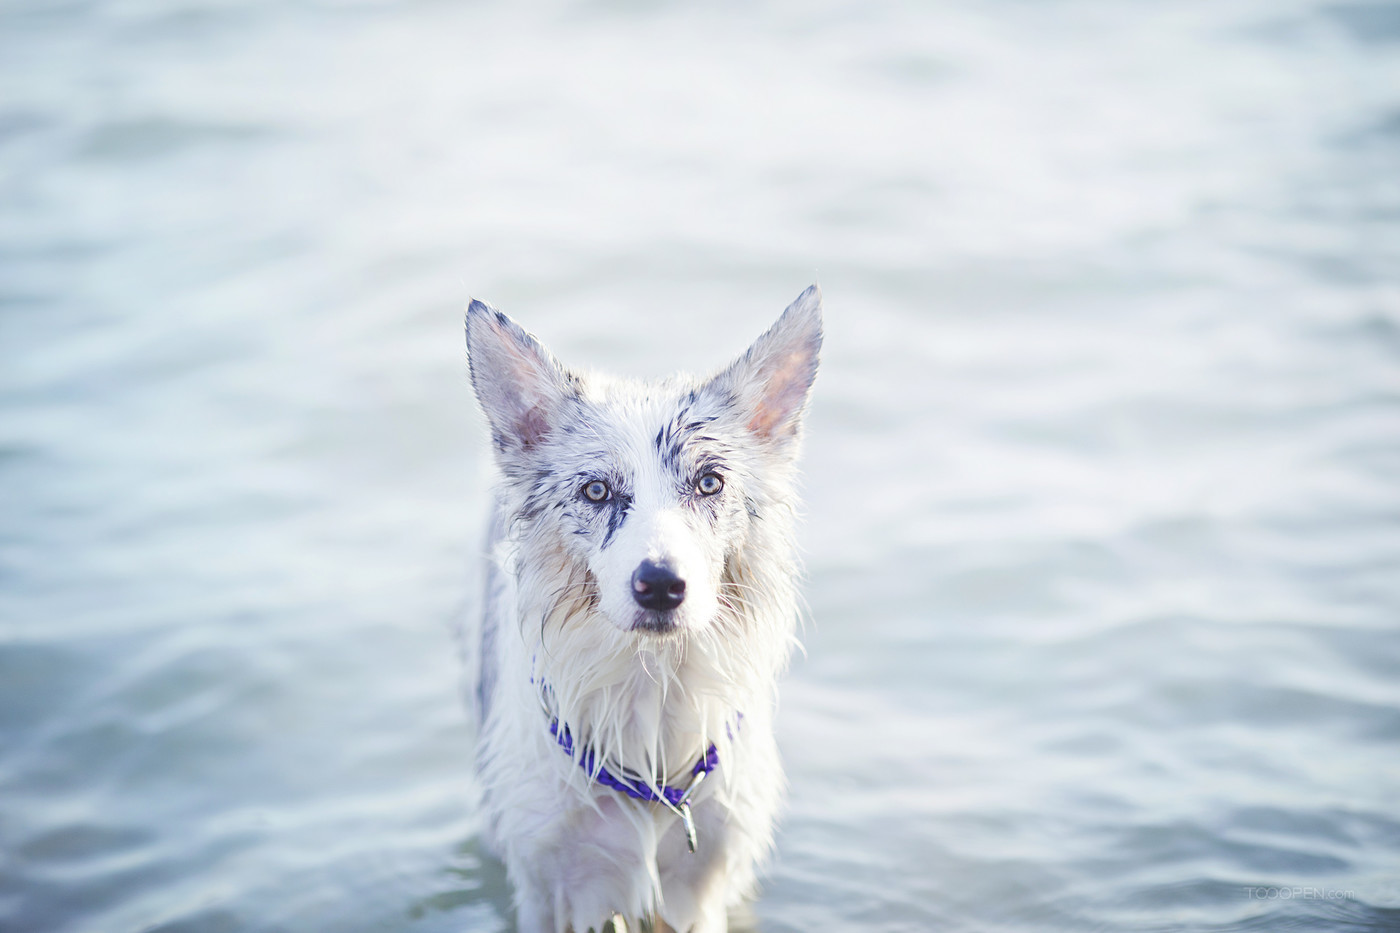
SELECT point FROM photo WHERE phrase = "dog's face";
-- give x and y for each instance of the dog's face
(648, 489)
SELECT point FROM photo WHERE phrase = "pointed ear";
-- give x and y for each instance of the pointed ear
(520, 386)
(771, 381)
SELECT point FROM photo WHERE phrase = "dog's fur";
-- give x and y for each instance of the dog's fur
(645, 691)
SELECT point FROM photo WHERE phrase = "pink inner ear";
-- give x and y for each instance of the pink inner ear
(529, 378)
(783, 393)
(532, 427)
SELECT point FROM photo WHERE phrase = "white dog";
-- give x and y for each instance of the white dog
(640, 605)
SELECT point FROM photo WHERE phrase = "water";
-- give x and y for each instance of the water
(1103, 477)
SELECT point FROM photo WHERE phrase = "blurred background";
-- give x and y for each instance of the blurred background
(1102, 478)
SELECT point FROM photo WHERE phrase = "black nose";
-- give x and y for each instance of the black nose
(656, 586)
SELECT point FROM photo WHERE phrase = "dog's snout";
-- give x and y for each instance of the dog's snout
(656, 586)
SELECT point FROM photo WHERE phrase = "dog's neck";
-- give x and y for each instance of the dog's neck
(652, 707)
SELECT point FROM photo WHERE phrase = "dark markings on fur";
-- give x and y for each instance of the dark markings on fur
(711, 464)
(751, 506)
(621, 506)
(539, 500)
(668, 444)
(682, 430)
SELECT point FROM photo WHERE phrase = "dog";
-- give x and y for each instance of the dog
(640, 604)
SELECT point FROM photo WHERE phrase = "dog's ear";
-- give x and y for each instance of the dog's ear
(519, 384)
(771, 381)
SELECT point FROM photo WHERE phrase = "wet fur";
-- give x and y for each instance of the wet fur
(644, 691)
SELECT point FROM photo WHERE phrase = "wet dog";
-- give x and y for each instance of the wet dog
(641, 603)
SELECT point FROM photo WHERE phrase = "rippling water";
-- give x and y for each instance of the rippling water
(1103, 477)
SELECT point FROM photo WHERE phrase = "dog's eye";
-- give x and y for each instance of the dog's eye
(709, 484)
(596, 491)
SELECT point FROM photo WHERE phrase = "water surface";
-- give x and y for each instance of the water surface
(1102, 478)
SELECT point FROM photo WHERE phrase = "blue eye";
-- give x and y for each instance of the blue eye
(596, 491)
(709, 484)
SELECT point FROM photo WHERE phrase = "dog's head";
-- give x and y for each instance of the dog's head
(647, 491)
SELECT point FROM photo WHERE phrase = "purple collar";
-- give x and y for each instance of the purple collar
(635, 788)
(675, 799)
